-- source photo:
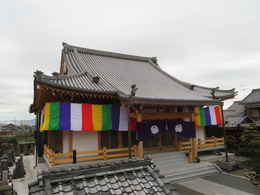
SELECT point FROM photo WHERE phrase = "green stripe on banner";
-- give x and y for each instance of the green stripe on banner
(202, 117)
(107, 120)
(54, 116)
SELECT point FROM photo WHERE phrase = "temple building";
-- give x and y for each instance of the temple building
(101, 102)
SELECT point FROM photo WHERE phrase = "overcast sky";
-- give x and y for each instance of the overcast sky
(207, 42)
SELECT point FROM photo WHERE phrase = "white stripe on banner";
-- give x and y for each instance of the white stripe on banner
(212, 115)
(76, 117)
(123, 119)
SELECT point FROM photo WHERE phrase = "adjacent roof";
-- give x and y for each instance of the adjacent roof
(253, 97)
(235, 121)
(118, 72)
(237, 109)
(124, 177)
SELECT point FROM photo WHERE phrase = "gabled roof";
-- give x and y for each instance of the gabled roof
(253, 97)
(114, 178)
(117, 72)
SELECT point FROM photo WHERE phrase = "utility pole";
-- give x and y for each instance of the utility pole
(132, 94)
(224, 132)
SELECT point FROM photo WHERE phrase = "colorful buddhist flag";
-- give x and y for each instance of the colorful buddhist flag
(211, 115)
(83, 117)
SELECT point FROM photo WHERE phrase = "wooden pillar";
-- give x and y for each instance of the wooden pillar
(71, 141)
(140, 143)
(160, 142)
(99, 140)
(194, 148)
(49, 139)
(120, 139)
(109, 140)
(140, 149)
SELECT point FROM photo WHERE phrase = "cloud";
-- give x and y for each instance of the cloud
(207, 42)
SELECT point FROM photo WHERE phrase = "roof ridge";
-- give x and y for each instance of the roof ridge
(107, 53)
(203, 87)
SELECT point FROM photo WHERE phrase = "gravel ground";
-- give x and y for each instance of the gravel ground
(21, 185)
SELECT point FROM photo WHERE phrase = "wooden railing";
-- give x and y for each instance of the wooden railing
(210, 142)
(207, 143)
(73, 157)
(185, 145)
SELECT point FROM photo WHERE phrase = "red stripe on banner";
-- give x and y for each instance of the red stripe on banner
(218, 115)
(89, 126)
(84, 117)
(132, 124)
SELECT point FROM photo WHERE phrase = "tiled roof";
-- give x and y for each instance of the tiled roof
(117, 72)
(237, 109)
(253, 97)
(123, 177)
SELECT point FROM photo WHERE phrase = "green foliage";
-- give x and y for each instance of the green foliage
(250, 147)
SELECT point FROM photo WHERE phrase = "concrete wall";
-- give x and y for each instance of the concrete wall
(82, 141)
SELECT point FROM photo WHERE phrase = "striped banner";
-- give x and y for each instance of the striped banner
(211, 115)
(83, 117)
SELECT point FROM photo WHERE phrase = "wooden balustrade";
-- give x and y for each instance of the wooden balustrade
(206, 143)
(103, 154)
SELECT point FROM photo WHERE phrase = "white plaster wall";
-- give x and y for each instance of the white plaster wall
(82, 141)
(65, 142)
(200, 132)
(85, 140)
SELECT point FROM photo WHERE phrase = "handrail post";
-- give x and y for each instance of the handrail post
(215, 141)
(104, 153)
(140, 149)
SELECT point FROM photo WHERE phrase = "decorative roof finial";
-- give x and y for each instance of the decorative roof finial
(95, 79)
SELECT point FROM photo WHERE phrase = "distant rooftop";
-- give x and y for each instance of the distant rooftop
(253, 97)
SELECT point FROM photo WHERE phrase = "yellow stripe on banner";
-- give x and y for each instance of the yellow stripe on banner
(197, 116)
(46, 120)
(97, 117)
(42, 119)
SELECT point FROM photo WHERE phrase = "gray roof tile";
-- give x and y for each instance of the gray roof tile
(253, 97)
(130, 178)
(117, 72)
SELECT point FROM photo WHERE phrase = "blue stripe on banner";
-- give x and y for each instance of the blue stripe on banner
(65, 116)
(207, 114)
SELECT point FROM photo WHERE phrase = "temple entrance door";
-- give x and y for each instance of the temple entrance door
(164, 141)
(116, 139)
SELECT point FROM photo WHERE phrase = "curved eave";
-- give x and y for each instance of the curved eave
(76, 89)
(156, 101)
